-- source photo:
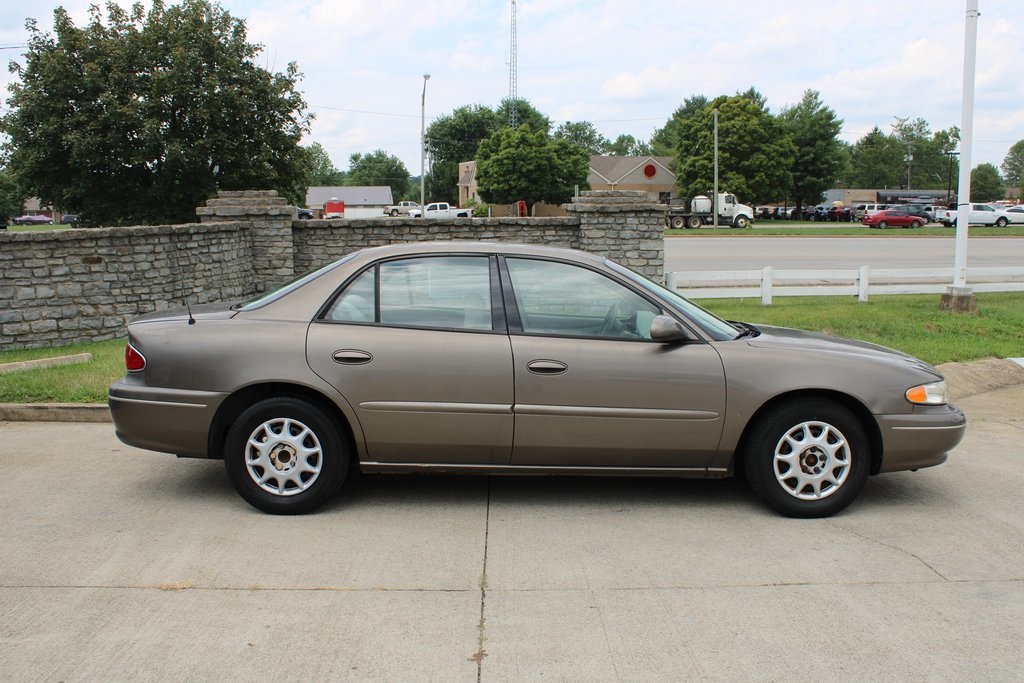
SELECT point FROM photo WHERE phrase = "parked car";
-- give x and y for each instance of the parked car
(892, 218)
(32, 220)
(69, 219)
(401, 208)
(919, 210)
(1016, 214)
(978, 214)
(862, 210)
(498, 358)
(306, 214)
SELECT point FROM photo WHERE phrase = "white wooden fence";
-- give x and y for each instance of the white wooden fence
(769, 282)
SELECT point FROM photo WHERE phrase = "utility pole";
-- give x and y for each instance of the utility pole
(714, 195)
(423, 145)
(513, 76)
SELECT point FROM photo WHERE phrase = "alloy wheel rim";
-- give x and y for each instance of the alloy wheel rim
(283, 457)
(812, 460)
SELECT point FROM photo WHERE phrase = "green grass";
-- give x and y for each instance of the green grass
(801, 229)
(910, 323)
(79, 383)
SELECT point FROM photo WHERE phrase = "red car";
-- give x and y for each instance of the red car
(901, 219)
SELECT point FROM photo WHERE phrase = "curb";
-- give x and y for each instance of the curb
(54, 412)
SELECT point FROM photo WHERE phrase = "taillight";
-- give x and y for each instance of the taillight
(133, 360)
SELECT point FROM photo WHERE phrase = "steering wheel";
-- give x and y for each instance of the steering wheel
(610, 320)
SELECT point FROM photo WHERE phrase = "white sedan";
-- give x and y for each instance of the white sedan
(1016, 213)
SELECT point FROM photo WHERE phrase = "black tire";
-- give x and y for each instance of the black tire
(740, 222)
(825, 424)
(300, 424)
(1001, 222)
(882, 225)
(694, 222)
(394, 212)
(916, 224)
(678, 223)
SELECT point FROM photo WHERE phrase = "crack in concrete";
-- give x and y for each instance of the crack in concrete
(481, 625)
(904, 551)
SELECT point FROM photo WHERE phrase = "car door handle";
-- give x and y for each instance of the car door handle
(352, 357)
(546, 367)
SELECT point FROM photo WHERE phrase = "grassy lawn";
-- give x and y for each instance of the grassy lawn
(811, 229)
(80, 383)
(910, 323)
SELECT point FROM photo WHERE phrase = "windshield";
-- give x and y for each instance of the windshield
(275, 294)
(713, 326)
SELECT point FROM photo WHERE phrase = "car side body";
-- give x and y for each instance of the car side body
(893, 218)
(518, 382)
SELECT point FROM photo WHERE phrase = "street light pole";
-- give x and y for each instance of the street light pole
(423, 143)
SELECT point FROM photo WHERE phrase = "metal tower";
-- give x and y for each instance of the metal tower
(513, 97)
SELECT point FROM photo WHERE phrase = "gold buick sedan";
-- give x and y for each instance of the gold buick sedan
(493, 358)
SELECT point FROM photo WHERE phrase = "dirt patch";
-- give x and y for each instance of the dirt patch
(979, 376)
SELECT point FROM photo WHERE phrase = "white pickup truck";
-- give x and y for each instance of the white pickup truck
(980, 214)
(400, 208)
(442, 210)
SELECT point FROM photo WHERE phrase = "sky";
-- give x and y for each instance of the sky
(623, 65)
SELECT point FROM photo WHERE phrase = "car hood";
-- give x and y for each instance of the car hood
(786, 338)
(218, 311)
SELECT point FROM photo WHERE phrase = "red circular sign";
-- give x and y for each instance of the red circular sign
(650, 170)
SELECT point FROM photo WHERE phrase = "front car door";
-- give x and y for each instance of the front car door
(418, 348)
(591, 388)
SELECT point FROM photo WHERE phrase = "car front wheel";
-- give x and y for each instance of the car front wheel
(1001, 222)
(807, 458)
(285, 456)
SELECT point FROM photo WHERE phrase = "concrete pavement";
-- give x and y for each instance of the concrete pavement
(122, 564)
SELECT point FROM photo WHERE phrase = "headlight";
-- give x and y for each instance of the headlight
(934, 394)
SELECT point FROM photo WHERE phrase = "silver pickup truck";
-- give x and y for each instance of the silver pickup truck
(442, 210)
(400, 209)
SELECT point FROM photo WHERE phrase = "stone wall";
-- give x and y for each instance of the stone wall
(67, 287)
(59, 288)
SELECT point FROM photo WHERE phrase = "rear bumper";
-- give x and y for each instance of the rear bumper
(920, 439)
(166, 420)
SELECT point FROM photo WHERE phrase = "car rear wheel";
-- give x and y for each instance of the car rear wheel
(285, 456)
(807, 458)
(882, 225)
(394, 212)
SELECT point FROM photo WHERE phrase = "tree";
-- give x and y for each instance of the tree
(755, 153)
(140, 117)
(12, 201)
(452, 139)
(378, 168)
(925, 164)
(320, 169)
(876, 161)
(986, 184)
(629, 146)
(814, 129)
(1013, 164)
(522, 164)
(583, 134)
(666, 139)
(526, 115)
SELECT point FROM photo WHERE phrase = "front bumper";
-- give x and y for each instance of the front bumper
(166, 420)
(920, 439)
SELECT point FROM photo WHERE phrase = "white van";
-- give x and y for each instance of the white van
(862, 210)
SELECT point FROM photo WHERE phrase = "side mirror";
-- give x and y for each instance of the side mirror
(668, 330)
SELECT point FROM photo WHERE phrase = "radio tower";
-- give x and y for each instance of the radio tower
(513, 97)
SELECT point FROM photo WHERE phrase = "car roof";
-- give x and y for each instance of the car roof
(475, 247)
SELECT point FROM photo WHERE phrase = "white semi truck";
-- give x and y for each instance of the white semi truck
(695, 212)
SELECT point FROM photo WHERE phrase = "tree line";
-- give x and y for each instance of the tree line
(142, 114)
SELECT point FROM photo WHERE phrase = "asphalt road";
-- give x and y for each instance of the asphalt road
(746, 253)
(119, 564)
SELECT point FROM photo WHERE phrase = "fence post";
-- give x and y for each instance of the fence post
(766, 286)
(862, 285)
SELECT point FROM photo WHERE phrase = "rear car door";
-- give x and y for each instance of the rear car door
(418, 348)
